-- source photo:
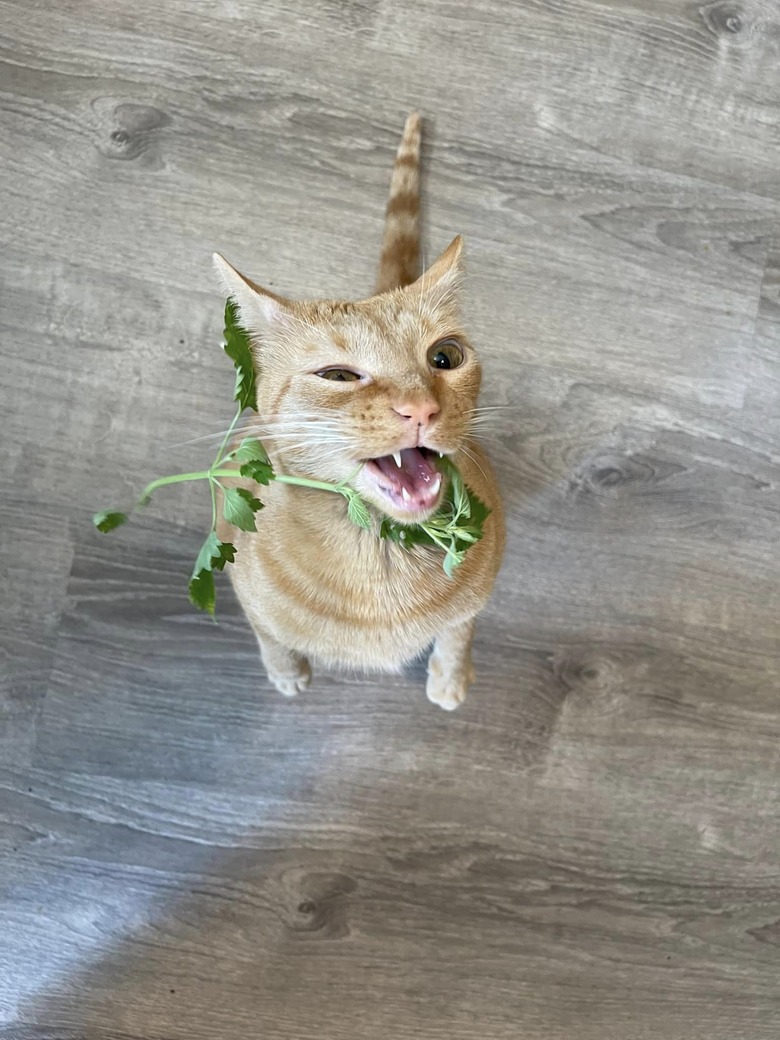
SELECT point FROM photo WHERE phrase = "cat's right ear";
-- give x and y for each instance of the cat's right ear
(260, 310)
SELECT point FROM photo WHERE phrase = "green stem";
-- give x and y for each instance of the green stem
(177, 478)
(319, 485)
(282, 478)
(213, 490)
(435, 538)
(352, 476)
(226, 438)
(210, 474)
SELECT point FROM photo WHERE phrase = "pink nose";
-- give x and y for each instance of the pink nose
(420, 412)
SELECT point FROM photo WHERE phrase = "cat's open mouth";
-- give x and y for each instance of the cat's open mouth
(409, 478)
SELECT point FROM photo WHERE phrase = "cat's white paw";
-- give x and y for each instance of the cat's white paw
(292, 685)
(444, 687)
(448, 692)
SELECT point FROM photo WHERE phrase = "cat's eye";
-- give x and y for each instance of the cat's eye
(339, 375)
(447, 353)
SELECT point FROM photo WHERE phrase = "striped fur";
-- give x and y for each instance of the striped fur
(399, 264)
(312, 584)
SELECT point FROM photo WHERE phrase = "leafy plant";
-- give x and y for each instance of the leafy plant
(454, 527)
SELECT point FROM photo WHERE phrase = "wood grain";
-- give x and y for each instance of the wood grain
(588, 848)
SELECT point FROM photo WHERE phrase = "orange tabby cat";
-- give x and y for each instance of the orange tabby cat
(367, 392)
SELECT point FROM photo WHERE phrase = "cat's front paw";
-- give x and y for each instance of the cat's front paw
(292, 685)
(446, 690)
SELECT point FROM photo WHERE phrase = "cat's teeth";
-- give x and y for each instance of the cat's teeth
(405, 495)
(436, 485)
(397, 457)
(441, 454)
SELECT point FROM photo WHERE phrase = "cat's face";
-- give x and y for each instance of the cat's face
(368, 392)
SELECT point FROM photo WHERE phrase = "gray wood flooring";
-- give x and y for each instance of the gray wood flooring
(590, 848)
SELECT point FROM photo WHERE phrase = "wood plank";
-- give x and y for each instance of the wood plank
(588, 848)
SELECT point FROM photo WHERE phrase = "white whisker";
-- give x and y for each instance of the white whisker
(481, 420)
(206, 437)
(470, 454)
(480, 428)
(270, 427)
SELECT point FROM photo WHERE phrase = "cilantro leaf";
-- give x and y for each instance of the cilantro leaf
(257, 465)
(227, 554)
(109, 520)
(478, 514)
(452, 560)
(468, 535)
(237, 510)
(390, 529)
(202, 592)
(238, 349)
(357, 511)
(253, 503)
(250, 450)
(208, 550)
(260, 472)
(405, 535)
(213, 556)
(458, 494)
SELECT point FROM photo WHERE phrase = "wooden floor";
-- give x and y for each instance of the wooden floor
(590, 848)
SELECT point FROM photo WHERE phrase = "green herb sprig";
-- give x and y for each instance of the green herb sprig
(455, 526)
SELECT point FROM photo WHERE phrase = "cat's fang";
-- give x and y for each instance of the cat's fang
(414, 486)
(397, 457)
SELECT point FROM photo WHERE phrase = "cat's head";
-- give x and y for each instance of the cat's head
(347, 391)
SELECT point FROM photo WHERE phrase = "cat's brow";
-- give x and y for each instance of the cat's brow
(324, 330)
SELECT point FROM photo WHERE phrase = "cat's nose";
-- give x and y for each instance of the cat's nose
(420, 413)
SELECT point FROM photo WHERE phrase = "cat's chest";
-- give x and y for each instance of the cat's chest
(360, 601)
(318, 584)
(323, 564)
(366, 571)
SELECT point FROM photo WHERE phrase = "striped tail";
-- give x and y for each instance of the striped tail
(400, 261)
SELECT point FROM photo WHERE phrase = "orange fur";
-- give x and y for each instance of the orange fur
(400, 259)
(312, 584)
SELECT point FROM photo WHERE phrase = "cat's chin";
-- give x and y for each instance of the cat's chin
(406, 485)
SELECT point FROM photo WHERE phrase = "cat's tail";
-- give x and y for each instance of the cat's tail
(400, 260)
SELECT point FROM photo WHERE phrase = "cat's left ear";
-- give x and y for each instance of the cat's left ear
(440, 283)
(260, 309)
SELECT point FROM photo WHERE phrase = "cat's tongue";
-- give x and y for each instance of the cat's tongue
(415, 483)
